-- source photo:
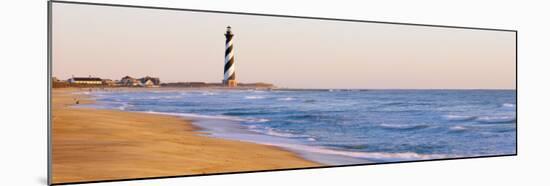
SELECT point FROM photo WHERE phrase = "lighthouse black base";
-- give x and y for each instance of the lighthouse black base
(230, 83)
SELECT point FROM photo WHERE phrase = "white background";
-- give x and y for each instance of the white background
(23, 95)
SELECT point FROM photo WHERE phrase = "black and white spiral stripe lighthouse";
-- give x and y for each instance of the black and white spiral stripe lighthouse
(229, 78)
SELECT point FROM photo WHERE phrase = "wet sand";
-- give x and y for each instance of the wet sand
(91, 144)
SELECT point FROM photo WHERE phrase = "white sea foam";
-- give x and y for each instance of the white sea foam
(509, 105)
(191, 115)
(209, 93)
(496, 119)
(255, 91)
(272, 132)
(220, 117)
(286, 99)
(163, 97)
(254, 97)
(261, 120)
(366, 155)
(458, 128)
(392, 125)
(123, 106)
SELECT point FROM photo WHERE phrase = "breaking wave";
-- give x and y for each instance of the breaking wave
(458, 128)
(254, 97)
(482, 119)
(209, 93)
(273, 132)
(509, 105)
(286, 99)
(364, 155)
(496, 119)
(402, 127)
(459, 118)
(220, 117)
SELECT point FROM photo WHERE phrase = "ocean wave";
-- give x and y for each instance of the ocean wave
(458, 128)
(162, 97)
(496, 119)
(306, 116)
(482, 119)
(402, 127)
(123, 106)
(394, 104)
(254, 97)
(286, 99)
(505, 130)
(509, 105)
(460, 118)
(220, 117)
(256, 91)
(260, 120)
(316, 149)
(209, 93)
(363, 155)
(272, 132)
(245, 113)
(159, 91)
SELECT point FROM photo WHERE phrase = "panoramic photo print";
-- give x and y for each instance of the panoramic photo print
(145, 93)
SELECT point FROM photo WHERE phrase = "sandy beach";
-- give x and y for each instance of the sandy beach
(92, 144)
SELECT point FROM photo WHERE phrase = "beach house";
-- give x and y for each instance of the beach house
(109, 82)
(146, 81)
(86, 80)
(149, 81)
(129, 81)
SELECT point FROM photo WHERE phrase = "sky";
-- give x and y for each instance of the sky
(183, 46)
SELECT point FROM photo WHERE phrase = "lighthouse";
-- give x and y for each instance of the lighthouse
(229, 78)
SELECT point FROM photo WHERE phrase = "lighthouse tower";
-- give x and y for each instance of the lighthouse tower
(229, 78)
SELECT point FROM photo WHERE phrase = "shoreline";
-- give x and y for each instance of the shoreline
(94, 144)
(222, 127)
(233, 130)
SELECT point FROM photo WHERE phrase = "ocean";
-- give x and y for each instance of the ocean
(338, 127)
